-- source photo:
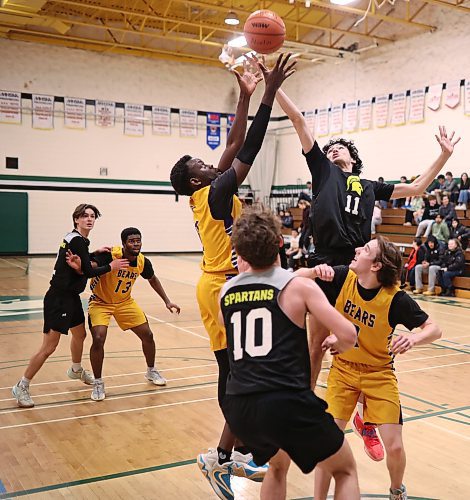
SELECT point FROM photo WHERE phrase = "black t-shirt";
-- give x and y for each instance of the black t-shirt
(342, 205)
(403, 309)
(106, 257)
(64, 277)
(221, 194)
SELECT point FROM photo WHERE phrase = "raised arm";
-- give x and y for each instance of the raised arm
(419, 185)
(298, 120)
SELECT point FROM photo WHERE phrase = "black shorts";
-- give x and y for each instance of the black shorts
(293, 421)
(62, 311)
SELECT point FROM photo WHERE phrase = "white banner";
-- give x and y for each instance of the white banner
(453, 94)
(105, 113)
(365, 114)
(322, 122)
(398, 108)
(381, 110)
(161, 120)
(434, 96)
(134, 119)
(417, 106)
(336, 123)
(310, 119)
(10, 107)
(43, 111)
(188, 123)
(350, 119)
(467, 97)
(75, 112)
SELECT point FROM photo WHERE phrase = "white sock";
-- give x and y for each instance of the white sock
(360, 410)
(24, 382)
(76, 367)
(150, 369)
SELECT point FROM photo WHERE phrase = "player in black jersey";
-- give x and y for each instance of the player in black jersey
(268, 402)
(62, 306)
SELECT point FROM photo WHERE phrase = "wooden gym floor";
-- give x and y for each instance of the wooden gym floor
(141, 442)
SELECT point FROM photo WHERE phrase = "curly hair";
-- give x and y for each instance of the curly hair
(179, 176)
(357, 167)
(256, 236)
(125, 233)
(390, 257)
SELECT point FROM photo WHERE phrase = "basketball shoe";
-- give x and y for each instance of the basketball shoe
(155, 377)
(244, 466)
(372, 445)
(98, 393)
(217, 474)
(22, 396)
(85, 376)
(399, 494)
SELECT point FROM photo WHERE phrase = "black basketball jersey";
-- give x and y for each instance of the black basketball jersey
(266, 350)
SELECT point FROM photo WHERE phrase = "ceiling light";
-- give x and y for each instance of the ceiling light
(232, 18)
(240, 41)
(341, 2)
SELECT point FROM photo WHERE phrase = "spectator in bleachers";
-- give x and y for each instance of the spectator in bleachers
(440, 231)
(305, 206)
(453, 264)
(287, 220)
(430, 265)
(460, 232)
(431, 209)
(447, 210)
(293, 250)
(451, 187)
(464, 192)
(306, 194)
(437, 185)
(400, 202)
(376, 217)
(417, 255)
(415, 211)
(383, 203)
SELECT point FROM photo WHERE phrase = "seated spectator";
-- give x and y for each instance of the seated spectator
(430, 265)
(459, 232)
(306, 194)
(415, 211)
(447, 210)
(453, 264)
(383, 203)
(464, 192)
(451, 187)
(376, 217)
(440, 187)
(431, 209)
(440, 231)
(293, 250)
(417, 255)
(400, 202)
(305, 206)
(287, 220)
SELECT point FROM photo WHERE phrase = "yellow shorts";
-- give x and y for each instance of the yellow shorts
(127, 314)
(207, 293)
(378, 384)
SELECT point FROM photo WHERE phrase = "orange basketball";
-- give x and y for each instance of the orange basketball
(264, 31)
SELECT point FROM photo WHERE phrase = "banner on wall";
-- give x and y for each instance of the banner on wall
(105, 113)
(188, 123)
(434, 97)
(75, 112)
(10, 107)
(467, 97)
(336, 123)
(322, 122)
(310, 119)
(452, 99)
(161, 120)
(350, 120)
(43, 111)
(230, 120)
(417, 97)
(365, 114)
(213, 130)
(398, 108)
(381, 110)
(134, 119)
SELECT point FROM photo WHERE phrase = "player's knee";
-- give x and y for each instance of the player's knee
(99, 339)
(394, 449)
(49, 349)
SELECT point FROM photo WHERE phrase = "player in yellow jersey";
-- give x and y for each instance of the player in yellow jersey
(367, 294)
(215, 206)
(111, 297)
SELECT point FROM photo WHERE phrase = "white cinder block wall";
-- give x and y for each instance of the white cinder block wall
(167, 226)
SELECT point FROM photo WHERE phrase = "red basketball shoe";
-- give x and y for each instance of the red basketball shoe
(372, 445)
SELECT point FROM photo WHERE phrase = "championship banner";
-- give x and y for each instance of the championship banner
(105, 113)
(336, 123)
(350, 120)
(10, 107)
(365, 114)
(161, 120)
(381, 110)
(134, 119)
(43, 112)
(452, 99)
(213, 130)
(230, 120)
(467, 97)
(310, 119)
(188, 123)
(417, 97)
(322, 122)
(434, 96)
(75, 112)
(398, 108)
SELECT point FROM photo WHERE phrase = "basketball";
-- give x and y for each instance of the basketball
(264, 31)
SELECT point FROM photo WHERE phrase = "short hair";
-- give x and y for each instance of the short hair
(125, 233)
(179, 176)
(80, 212)
(441, 176)
(418, 241)
(449, 173)
(357, 167)
(256, 236)
(389, 256)
(432, 197)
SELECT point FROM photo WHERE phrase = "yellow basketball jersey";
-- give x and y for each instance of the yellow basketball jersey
(115, 287)
(371, 321)
(218, 252)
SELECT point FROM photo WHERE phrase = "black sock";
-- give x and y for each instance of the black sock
(223, 455)
(244, 450)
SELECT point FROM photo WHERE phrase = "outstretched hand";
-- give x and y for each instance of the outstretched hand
(280, 72)
(248, 80)
(74, 261)
(447, 143)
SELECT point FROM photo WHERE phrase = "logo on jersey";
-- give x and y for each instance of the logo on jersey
(354, 185)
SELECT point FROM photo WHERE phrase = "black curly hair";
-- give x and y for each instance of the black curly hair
(179, 176)
(357, 167)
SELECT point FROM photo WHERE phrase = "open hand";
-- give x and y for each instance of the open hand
(248, 80)
(447, 143)
(280, 72)
(74, 261)
(103, 249)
